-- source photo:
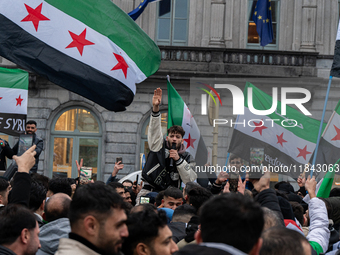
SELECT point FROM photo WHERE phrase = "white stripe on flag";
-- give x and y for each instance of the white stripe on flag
(331, 131)
(190, 127)
(8, 102)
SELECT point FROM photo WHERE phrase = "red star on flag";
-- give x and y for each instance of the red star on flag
(190, 142)
(121, 64)
(0, 97)
(280, 139)
(259, 126)
(34, 15)
(19, 100)
(337, 137)
(303, 152)
(79, 41)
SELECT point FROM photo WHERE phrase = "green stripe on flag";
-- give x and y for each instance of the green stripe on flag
(175, 107)
(337, 108)
(316, 246)
(307, 128)
(327, 182)
(13, 78)
(109, 20)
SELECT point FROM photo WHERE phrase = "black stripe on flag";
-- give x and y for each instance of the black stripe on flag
(335, 71)
(27, 51)
(241, 143)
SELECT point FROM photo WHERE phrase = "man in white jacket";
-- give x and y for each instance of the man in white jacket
(319, 233)
(168, 163)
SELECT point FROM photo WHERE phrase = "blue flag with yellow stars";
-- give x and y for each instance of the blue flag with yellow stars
(263, 20)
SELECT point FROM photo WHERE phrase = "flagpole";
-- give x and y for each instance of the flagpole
(215, 136)
(226, 162)
(329, 122)
(320, 128)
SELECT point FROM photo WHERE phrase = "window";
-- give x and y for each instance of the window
(144, 137)
(172, 27)
(253, 41)
(76, 134)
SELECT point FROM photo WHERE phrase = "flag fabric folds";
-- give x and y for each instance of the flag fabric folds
(335, 71)
(179, 114)
(90, 47)
(327, 182)
(13, 100)
(284, 147)
(263, 19)
(329, 146)
(138, 11)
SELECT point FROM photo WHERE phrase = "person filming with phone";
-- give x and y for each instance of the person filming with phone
(31, 129)
(168, 163)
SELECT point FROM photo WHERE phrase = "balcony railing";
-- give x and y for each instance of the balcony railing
(221, 61)
(239, 56)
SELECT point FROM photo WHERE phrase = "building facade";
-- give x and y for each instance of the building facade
(208, 39)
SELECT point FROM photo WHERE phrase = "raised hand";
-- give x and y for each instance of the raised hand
(118, 166)
(137, 187)
(222, 177)
(156, 99)
(311, 186)
(301, 180)
(26, 161)
(226, 188)
(241, 187)
(79, 166)
(264, 182)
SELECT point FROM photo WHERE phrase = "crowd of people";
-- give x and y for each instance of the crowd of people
(171, 213)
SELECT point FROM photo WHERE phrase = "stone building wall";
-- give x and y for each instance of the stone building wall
(304, 25)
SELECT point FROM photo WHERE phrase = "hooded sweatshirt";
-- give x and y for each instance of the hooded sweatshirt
(51, 233)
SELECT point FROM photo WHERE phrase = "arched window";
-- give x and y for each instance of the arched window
(76, 134)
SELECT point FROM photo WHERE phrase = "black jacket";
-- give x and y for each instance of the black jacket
(178, 231)
(158, 172)
(20, 193)
(194, 249)
(5, 152)
(6, 251)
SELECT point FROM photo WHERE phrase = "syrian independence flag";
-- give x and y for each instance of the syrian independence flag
(284, 146)
(90, 47)
(335, 71)
(180, 115)
(327, 181)
(13, 101)
(329, 146)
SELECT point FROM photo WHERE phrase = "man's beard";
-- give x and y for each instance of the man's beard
(108, 246)
(31, 250)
